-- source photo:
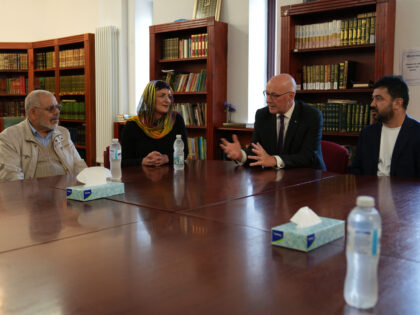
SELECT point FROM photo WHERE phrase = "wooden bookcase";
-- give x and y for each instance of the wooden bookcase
(372, 60)
(11, 102)
(215, 64)
(83, 125)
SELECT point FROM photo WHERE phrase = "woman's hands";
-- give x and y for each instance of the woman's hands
(155, 158)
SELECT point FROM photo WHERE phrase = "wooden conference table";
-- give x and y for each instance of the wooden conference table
(197, 242)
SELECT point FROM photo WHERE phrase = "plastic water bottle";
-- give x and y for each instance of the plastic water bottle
(115, 159)
(178, 153)
(362, 252)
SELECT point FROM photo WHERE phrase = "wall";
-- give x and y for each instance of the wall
(235, 13)
(28, 20)
(407, 36)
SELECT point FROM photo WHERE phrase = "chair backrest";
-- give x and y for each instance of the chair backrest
(336, 157)
(9, 121)
(106, 157)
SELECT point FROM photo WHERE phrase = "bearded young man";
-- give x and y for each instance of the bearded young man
(37, 146)
(391, 146)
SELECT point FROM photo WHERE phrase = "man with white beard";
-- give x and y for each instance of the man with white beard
(38, 147)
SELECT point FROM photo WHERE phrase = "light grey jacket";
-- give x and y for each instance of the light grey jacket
(19, 152)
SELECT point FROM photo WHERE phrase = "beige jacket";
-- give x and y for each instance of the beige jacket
(19, 152)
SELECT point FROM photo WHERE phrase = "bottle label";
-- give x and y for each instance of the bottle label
(363, 241)
(178, 160)
(115, 154)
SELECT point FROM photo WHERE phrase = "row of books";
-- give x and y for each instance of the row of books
(344, 115)
(77, 134)
(13, 61)
(197, 148)
(67, 58)
(194, 114)
(45, 60)
(328, 77)
(354, 31)
(186, 82)
(194, 46)
(72, 84)
(72, 109)
(45, 83)
(72, 57)
(13, 108)
(13, 85)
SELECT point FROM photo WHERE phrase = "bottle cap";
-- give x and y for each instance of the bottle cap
(178, 136)
(115, 140)
(365, 201)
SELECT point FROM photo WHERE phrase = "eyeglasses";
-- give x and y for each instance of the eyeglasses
(50, 108)
(274, 95)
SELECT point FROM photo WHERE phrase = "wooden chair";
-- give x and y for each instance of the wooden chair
(9, 121)
(336, 157)
(106, 158)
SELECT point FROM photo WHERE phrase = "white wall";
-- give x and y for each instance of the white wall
(235, 13)
(407, 36)
(29, 21)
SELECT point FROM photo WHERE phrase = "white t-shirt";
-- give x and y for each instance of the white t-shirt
(388, 139)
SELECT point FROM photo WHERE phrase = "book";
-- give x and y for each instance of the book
(362, 84)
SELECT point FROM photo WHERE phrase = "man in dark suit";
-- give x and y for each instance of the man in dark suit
(287, 133)
(391, 146)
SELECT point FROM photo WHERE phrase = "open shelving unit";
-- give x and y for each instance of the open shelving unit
(215, 65)
(69, 76)
(372, 60)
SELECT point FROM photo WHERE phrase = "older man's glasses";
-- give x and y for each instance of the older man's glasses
(274, 96)
(50, 108)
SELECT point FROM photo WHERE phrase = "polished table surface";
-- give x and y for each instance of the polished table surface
(201, 247)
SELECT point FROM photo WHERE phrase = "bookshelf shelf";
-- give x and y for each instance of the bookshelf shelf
(196, 127)
(335, 48)
(44, 70)
(72, 68)
(371, 51)
(190, 93)
(195, 59)
(214, 64)
(13, 71)
(73, 120)
(342, 91)
(12, 95)
(44, 63)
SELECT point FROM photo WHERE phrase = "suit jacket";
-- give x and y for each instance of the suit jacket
(302, 144)
(405, 160)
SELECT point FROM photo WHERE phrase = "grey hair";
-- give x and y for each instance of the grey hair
(34, 99)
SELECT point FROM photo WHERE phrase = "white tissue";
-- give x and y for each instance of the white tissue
(305, 217)
(94, 176)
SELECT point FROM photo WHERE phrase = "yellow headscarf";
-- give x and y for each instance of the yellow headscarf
(145, 118)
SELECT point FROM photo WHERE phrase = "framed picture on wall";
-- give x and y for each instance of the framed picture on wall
(206, 8)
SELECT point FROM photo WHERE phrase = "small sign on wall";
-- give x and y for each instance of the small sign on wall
(410, 66)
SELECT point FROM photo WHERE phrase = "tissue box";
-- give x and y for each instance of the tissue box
(306, 239)
(85, 193)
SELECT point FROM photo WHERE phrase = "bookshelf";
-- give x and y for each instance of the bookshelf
(372, 59)
(66, 67)
(14, 74)
(213, 60)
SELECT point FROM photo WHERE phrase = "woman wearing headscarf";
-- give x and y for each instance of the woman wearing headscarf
(148, 138)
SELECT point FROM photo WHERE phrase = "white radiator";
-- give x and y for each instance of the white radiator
(107, 84)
